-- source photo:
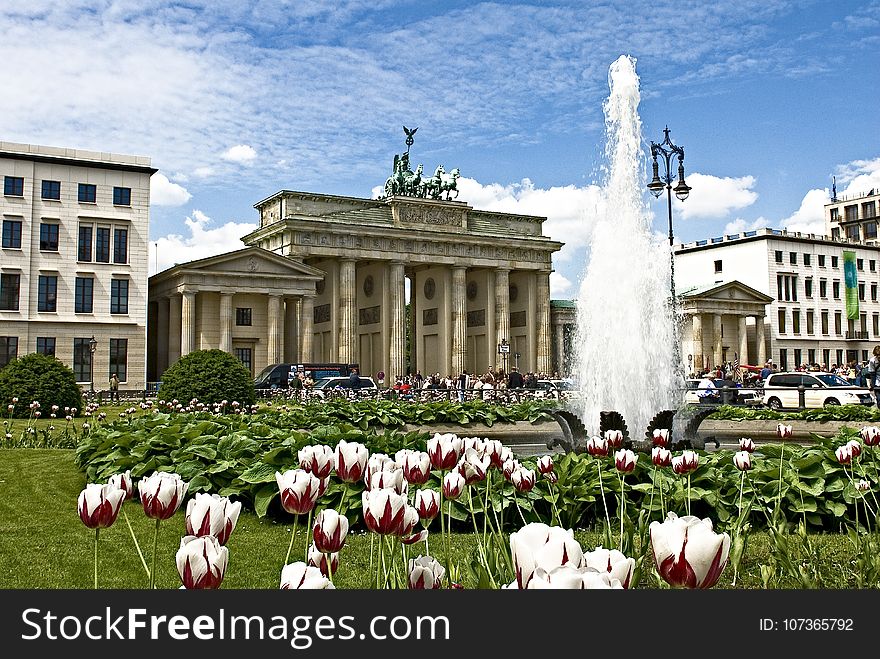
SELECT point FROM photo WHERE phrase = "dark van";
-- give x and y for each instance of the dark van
(279, 376)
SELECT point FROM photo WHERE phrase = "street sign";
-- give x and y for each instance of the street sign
(503, 348)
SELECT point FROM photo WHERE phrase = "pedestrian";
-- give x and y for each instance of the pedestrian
(873, 373)
(515, 379)
(463, 384)
(114, 388)
(354, 380)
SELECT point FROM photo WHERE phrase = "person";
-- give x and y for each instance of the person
(114, 388)
(463, 384)
(873, 373)
(709, 392)
(767, 370)
(354, 380)
(515, 379)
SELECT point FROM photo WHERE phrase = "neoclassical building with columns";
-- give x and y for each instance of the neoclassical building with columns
(323, 279)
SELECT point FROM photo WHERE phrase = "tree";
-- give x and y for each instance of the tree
(40, 378)
(211, 376)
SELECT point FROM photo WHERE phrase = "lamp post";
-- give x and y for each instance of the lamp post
(93, 343)
(668, 150)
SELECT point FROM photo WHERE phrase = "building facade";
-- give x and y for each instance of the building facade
(853, 216)
(73, 261)
(807, 320)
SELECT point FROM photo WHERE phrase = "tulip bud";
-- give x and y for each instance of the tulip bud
(425, 573)
(201, 562)
(98, 505)
(319, 560)
(473, 467)
(417, 467)
(686, 462)
(444, 450)
(427, 504)
(660, 437)
(614, 438)
(660, 456)
(384, 511)
(493, 448)
(612, 562)
(211, 514)
(854, 447)
(551, 477)
(746, 444)
(299, 490)
(687, 552)
(299, 576)
(597, 447)
(783, 431)
(453, 485)
(523, 480)
(318, 460)
(742, 460)
(545, 464)
(538, 545)
(161, 494)
(863, 485)
(844, 454)
(625, 461)
(870, 435)
(330, 531)
(351, 461)
(122, 481)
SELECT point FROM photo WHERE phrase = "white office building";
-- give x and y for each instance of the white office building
(73, 261)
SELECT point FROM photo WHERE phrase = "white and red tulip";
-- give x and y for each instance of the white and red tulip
(300, 576)
(597, 447)
(211, 514)
(742, 460)
(453, 485)
(523, 480)
(473, 466)
(201, 562)
(427, 503)
(330, 531)
(613, 562)
(660, 456)
(783, 431)
(351, 461)
(545, 464)
(425, 573)
(844, 454)
(494, 449)
(855, 447)
(870, 435)
(538, 545)
(614, 438)
(410, 519)
(384, 511)
(444, 450)
(162, 494)
(393, 479)
(685, 463)
(687, 552)
(324, 562)
(625, 461)
(746, 444)
(509, 467)
(123, 482)
(417, 467)
(99, 505)
(660, 437)
(319, 460)
(299, 490)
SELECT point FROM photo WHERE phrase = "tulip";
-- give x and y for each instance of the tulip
(330, 531)
(506, 454)
(98, 505)
(662, 457)
(299, 490)
(472, 466)
(410, 519)
(299, 576)
(320, 560)
(201, 562)
(687, 552)
(783, 431)
(211, 514)
(351, 461)
(494, 449)
(625, 461)
(427, 504)
(384, 511)
(597, 447)
(614, 438)
(417, 467)
(523, 480)
(595, 580)
(855, 447)
(388, 479)
(421, 536)
(123, 482)
(479, 445)
(742, 460)
(425, 573)
(161, 494)
(444, 450)
(870, 435)
(509, 467)
(545, 464)
(612, 562)
(863, 485)
(746, 444)
(318, 460)
(322, 486)
(686, 462)
(453, 485)
(660, 437)
(567, 577)
(538, 545)
(378, 462)
(844, 454)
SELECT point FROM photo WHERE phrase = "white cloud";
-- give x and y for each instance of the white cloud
(201, 242)
(810, 217)
(714, 197)
(203, 172)
(559, 286)
(861, 176)
(165, 193)
(241, 153)
(739, 225)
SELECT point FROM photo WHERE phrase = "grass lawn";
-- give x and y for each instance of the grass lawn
(44, 544)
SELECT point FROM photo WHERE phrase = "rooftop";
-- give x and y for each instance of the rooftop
(760, 234)
(68, 156)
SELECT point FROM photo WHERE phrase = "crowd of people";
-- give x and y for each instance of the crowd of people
(464, 381)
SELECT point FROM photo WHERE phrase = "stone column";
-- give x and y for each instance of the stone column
(413, 335)
(276, 337)
(347, 310)
(174, 305)
(759, 337)
(226, 322)
(161, 337)
(397, 352)
(188, 323)
(291, 327)
(459, 320)
(560, 348)
(502, 309)
(306, 333)
(697, 339)
(716, 340)
(542, 322)
(743, 341)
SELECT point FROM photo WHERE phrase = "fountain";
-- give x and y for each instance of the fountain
(626, 353)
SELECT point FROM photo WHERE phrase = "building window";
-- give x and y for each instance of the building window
(12, 234)
(243, 316)
(786, 287)
(119, 296)
(8, 349)
(833, 261)
(824, 316)
(869, 209)
(102, 245)
(83, 295)
(48, 237)
(873, 292)
(811, 356)
(835, 233)
(826, 359)
(122, 197)
(864, 355)
(13, 186)
(823, 288)
(717, 266)
(808, 287)
(119, 359)
(87, 193)
(838, 323)
(82, 360)
(47, 293)
(778, 256)
(792, 258)
(810, 317)
(839, 354)
(796, 321)
(120, 246)
(862, 292)
(835, 214)
(876, 322)
(870, 230)
(806, 259)
(851, 213)
(46, 345)
(852, 231)
(51, 190)
(783, 359)
(797, 357)
(84, 249)
(245, 356)
(9, 285)
(863, 325)
(860, 264)
(821, 258)
(835, 289)
(782, 321)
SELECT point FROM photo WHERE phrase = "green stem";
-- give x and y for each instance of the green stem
(308, 534)
(96, 558)
(653, 485)
(622, 509)
(292, 536)
(689, 494)
(372, 581)
(662, 498)
(486, 508)
(446, 539)
(330, 568)
(155, 549)
(779, 493)
(136, 545)
(608, 539)
(742, 482)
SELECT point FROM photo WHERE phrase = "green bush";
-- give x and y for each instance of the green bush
(211, 376)
(39, 378)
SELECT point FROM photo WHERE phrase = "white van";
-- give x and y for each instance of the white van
(820, 389)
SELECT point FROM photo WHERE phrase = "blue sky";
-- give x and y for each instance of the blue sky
(235, 100)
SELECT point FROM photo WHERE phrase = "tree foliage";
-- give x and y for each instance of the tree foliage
(211, 376)
(41, 378)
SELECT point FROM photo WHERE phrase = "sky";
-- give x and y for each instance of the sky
(234, 100)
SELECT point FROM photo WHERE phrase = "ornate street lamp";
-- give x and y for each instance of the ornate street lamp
(668, 150)
(93, 344)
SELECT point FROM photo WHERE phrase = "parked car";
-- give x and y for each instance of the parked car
(319, 389)
(820, 389)
(742, 396)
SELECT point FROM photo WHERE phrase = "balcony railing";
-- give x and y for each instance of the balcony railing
(856, 336)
